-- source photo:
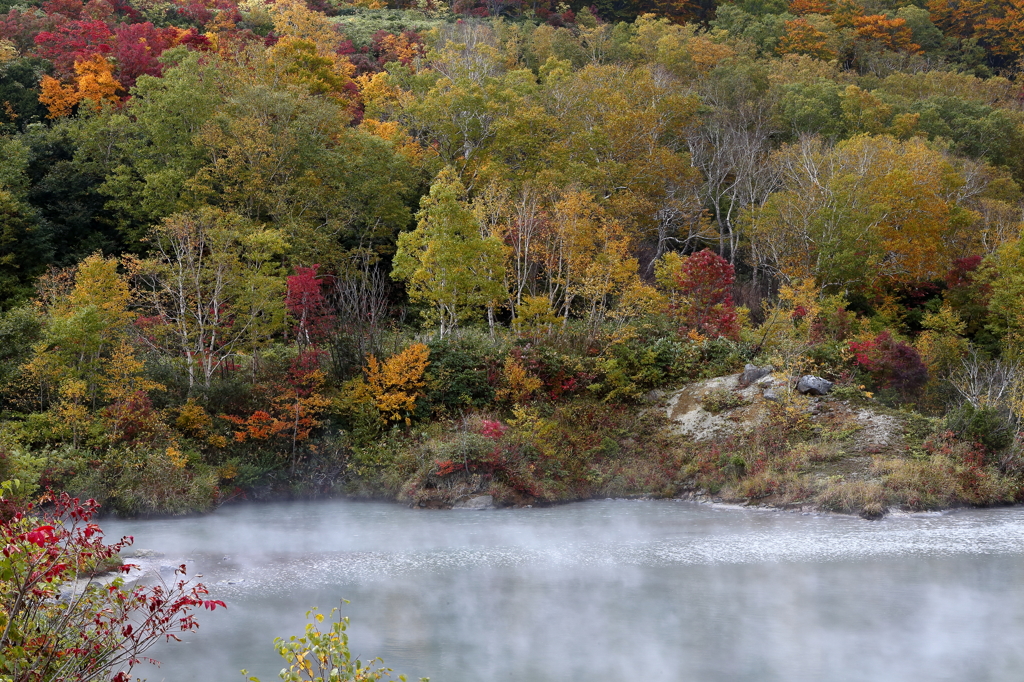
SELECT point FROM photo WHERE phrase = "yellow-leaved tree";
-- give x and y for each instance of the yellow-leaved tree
(872, 210)
(86, 324)
(396, 383)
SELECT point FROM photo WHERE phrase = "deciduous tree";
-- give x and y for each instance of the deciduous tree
(445, 261)
(211, 290)
(700, 293)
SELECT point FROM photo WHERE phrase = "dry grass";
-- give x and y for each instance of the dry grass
(866, 498)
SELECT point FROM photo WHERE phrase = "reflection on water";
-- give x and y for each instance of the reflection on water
(610, 590)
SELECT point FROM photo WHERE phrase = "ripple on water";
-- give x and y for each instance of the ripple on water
(837, 540)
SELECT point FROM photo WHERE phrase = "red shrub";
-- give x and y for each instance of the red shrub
(890, 363)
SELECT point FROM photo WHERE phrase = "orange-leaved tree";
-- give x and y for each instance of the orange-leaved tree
(396, 383)
(295, 405)
(94, 82)
(894, 34)
(803, 37)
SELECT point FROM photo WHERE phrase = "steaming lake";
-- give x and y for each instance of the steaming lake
(606, 591)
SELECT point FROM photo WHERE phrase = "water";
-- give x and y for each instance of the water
(607, 590)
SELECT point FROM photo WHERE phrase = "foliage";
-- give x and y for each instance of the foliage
(518, 385)
(93, 631)
(307, 305)
(461, 375)
(891, 364)
(211, 291)
(699, 288)
(396, 383)
(94, 82)
(445, 261)
(201, 203)
(294, 406)
(720, 400)
(324, 656)
(987, 425)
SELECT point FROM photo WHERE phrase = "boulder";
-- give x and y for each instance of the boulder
(770, 394)
(475, 503)
(752, 373)
(809, 385)
(655, 396)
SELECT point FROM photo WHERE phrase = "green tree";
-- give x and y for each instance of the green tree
(83, 328)
(20, 249)
(212, 290)
(147, 151)
(445, 261)
(20, 329)
(1003, 271)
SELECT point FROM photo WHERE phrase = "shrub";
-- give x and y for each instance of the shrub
(561, 375)
(836, 324)
(771, 483)
(988, 426)
(719, 357)
(396, 383)
(866, 498)
(953, 472)
(321, 656)
(472, 463)
(719, 400)
(518, 385)
(891, 364)
(462, 374)
(649, 364)
(382, 467)
(138, 482)
(87, 632)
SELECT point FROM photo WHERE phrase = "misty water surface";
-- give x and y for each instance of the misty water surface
(607, 590)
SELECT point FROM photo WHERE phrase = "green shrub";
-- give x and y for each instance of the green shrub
(324, 655)
(381, 468)
(719, 400)
(721, 356)
(135, 482)
(631, 368)
(991, 427)
(461, 375)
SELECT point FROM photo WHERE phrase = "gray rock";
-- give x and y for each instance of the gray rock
(809, 385)
(752, 373)
(770, 394)
(141, 554)
(655, 396)
(475, 503)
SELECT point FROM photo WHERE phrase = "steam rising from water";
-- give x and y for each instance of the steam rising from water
(608, 591)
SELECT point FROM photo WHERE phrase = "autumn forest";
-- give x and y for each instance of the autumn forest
(410, 251)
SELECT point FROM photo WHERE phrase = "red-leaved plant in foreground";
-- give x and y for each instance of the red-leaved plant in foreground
(57, 621)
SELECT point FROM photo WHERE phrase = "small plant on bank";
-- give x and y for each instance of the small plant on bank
(719, 400)
(324, 656)
(851, 393)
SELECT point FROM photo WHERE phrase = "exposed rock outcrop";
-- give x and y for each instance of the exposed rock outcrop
(752, 373)
(811, 385)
